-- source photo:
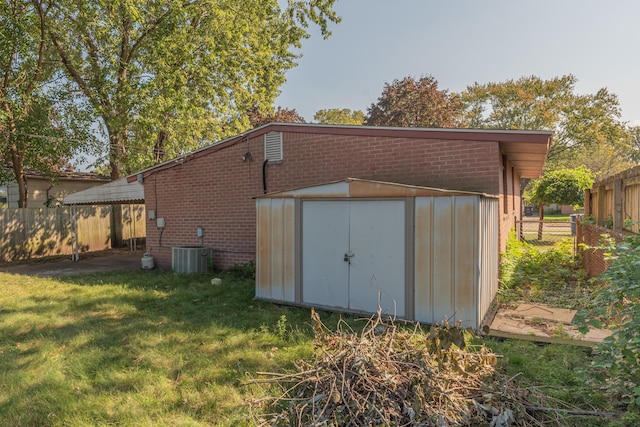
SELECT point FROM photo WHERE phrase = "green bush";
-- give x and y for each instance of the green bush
(246, 270)
(616, 364)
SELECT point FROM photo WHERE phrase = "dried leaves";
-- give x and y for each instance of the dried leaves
(397, 376)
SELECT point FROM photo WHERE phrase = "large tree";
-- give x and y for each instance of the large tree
(414, 103)
(562, 187)
(340, 116)
(579, 121)
(34, 131)
(165, 76)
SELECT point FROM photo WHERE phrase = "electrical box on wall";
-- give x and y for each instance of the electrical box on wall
(152, 214)
(160, 223)
(200, 232)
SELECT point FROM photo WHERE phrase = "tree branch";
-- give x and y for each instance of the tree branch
(42, 32)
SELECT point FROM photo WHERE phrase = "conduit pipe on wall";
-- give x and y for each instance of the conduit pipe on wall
(264, 175)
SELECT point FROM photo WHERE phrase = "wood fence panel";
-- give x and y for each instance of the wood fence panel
(622, 190)
(37, 232)
(631, 210)
(614, 205)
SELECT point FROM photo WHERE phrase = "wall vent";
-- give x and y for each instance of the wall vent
(190, 259)
(273, 146)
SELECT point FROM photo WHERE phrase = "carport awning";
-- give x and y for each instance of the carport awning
(115, 192)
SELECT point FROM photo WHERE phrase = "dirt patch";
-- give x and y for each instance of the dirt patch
(90, 262)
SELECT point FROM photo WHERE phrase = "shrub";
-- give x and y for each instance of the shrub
(245, 270)
(617, 360)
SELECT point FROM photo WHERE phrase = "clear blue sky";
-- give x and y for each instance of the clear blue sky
(460, 42)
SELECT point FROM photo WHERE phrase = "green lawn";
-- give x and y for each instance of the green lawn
(138, 348)
(153, 349)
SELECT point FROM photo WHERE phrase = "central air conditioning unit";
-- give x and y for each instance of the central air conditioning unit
(189, 259)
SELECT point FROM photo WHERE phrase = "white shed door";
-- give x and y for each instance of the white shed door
(370, 235)
(325, 235)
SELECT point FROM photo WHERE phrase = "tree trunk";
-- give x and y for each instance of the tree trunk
(541, 218)
(116, 146)
(17, 163)
(158, 149)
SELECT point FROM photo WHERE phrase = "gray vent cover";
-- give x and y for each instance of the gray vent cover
(273, 146)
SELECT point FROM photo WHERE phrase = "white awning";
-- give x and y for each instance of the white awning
(115, 192)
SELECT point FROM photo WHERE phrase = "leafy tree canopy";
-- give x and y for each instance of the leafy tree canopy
(41, 123)
(167, 76)
(414, 103)
(562, 186)
(340, 116)
(531, 103)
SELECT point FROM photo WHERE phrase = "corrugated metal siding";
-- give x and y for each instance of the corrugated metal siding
(452, 260)
(447, 259)
(488, 255)
(275, 271)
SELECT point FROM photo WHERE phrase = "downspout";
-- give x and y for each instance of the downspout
(264, 175)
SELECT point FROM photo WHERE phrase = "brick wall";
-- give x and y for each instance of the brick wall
(216, 191)
(593, 259)
(513, 200)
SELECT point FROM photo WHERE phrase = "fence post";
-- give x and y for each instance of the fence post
(618, 219)
(600, 208)
(587, 202)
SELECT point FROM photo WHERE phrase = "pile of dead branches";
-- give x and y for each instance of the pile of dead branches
(397, 376)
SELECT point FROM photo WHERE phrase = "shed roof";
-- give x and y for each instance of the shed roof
(527, 150)
(115, 192)
(363, 188)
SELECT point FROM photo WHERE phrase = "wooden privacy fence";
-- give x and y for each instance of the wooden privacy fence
(614, 202)
(613, 207)
(37, 232)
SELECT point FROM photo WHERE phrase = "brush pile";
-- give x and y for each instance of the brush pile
(397, 376)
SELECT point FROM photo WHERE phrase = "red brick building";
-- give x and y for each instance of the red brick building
(212, 189)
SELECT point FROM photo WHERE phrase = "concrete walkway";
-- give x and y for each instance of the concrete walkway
(112, 260)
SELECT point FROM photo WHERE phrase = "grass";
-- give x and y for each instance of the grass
(557, 217)
(149, 348)
(550, 275)
(139, 348)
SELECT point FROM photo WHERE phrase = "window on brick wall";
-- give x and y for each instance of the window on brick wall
(273, 146)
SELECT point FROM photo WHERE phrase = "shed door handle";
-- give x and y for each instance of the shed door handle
(348, 256)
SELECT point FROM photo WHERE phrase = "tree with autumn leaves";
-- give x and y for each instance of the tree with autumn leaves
(164, 77)
(413, 102)
(587, 127)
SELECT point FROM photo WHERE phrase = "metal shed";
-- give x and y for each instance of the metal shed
(418, 253)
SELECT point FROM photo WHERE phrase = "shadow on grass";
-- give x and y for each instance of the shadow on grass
(143, 348)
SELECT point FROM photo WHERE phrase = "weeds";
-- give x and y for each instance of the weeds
(552, 276)
(616, 365)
